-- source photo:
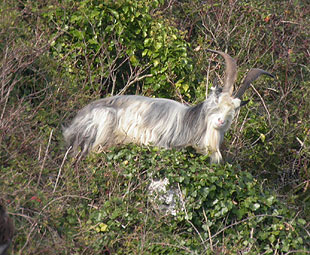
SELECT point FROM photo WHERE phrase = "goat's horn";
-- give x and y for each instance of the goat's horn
(231, 71)
(251, 76)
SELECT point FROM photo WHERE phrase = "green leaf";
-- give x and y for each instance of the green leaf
(93, 41)
(115, 13)
(272, 238)
(255, 206)
(158, 45)
(134, 60)
(301, 221)
(270, 200)
(262, 137)
(147, 42)
(185, 87)
(156, 62)
(145, 52)
(77, 33)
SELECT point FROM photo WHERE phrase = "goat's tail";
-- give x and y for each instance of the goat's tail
(90, 128)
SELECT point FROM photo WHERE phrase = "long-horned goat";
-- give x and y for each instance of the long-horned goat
(161, 122)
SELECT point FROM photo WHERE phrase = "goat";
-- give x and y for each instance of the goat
(161, 122)
(6, 230)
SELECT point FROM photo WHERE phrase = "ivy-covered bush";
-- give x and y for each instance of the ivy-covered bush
(221, 209)
(116, 46)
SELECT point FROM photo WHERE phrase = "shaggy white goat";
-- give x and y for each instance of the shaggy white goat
(161, 122)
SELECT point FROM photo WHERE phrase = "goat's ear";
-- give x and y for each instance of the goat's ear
(244, 102)
(236, 102)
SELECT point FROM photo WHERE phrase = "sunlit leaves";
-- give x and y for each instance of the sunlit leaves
(127, 33)
(217, 199)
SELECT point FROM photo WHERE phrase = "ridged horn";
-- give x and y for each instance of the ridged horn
(230, 71)
(252, 75)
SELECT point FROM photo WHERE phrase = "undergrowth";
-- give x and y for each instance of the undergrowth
(56, 57)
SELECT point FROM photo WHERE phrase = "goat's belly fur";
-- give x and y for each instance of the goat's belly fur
(128, 127)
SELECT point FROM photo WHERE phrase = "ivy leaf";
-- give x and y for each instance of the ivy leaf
(134, 60)
(156, 62)
(255, 206)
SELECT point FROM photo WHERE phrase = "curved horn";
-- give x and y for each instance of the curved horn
(252, 75)
(231, 71)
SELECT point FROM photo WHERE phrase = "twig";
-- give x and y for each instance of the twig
(289, 22)
(35, 224)
(59, 198)
(207, 83)
(45, 156)
(208, 229)
(241, 221)
(261, 98)
(177, 91)
(60, 168)
(28, 237)
(298, 251)
(22, 215)
(176, 246)
(186, 217)
(259, 138)
(133, 81)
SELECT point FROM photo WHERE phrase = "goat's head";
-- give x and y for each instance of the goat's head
(227, 101)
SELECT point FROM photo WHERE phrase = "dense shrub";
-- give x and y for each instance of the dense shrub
(116, 46)
(222, 208)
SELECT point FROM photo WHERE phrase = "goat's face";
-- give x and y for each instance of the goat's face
(225, 111)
